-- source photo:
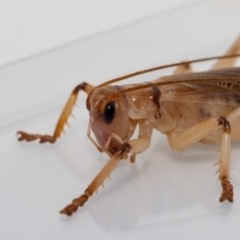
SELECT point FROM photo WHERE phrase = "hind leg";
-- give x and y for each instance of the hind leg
(184, 68)
(223, 63)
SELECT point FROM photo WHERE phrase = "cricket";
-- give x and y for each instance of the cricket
(187, 107)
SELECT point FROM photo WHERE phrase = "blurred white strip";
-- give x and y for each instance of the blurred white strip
(28, 27)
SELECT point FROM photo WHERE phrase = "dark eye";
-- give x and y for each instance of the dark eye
(109, 112)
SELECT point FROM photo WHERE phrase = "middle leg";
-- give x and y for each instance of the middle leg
(179, 141)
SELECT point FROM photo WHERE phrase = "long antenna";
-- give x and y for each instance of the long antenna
(155, 84)
(162, 67)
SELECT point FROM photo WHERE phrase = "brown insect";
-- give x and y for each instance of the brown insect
(188, 107)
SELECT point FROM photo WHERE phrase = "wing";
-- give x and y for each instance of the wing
(223, 84)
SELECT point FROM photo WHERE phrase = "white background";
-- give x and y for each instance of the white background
(165, 194)
(29, 27)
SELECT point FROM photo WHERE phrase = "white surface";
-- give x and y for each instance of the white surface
(165, 194)
(29, 27)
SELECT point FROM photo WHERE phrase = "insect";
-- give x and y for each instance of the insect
(188, 107)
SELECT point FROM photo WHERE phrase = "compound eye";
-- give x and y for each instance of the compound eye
(109, 112)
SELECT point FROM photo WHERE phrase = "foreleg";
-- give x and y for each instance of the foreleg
(62, 119)
(134, 147)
